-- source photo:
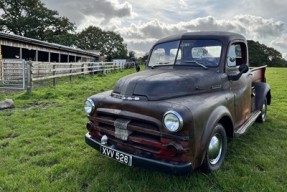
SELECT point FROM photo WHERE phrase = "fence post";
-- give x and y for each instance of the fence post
(83, 68)
(71, 72)
(29, 76)
(104, 68)
(54, 73)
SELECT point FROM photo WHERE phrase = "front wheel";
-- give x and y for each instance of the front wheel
(216, 151)
(262, 117)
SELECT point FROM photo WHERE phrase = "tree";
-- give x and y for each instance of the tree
(62, 32)
(113, 46)
(109, 43)
(30, 18)
(131, 55)
(143, 59)
(90, 38)
(260, 54)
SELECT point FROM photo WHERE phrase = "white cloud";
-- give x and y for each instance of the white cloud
(260, 27)
(149, 20)
(78, 11)
(252, 27)
(141, 47)
(106, 9)
(183, 3)
(246, 24)
(280, 42)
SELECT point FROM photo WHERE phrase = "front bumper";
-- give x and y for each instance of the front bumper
(138, 161)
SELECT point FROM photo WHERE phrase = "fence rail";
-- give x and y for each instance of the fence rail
(27, 72)
(42, 71)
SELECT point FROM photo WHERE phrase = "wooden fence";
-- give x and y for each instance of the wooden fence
(12, 74)
(32, 71)
(38, 71)
(43, 71)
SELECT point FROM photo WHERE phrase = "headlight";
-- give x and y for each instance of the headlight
(89, 106)
(172, 121)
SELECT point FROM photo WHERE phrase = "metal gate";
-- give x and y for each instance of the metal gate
(12, 74)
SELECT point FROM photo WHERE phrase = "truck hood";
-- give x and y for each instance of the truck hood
(158, 84)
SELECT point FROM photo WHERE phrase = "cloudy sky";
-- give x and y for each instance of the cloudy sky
(142, 22)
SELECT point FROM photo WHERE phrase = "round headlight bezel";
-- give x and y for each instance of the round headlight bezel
(89, 103)
(173, 115)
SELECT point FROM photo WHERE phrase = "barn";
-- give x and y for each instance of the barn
(18, 47)
(16, 51)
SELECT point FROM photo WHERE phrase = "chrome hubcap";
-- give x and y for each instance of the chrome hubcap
(215, 149)
(263, 111)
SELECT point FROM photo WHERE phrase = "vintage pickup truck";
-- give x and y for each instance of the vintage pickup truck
(175, 116)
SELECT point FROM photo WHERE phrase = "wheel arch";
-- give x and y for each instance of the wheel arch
(228, 126)
(268, 96)
(219, 115)
(262, 90)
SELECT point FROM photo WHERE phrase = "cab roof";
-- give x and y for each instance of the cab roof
(225, 37)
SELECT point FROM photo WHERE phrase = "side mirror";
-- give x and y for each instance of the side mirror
(231, 61)
(137, 67)
(242, 69)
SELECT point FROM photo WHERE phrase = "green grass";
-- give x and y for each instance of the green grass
(42, 147)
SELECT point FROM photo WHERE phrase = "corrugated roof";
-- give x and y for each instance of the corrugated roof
(46, 44)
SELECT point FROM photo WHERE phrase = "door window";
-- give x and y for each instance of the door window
(236, 55)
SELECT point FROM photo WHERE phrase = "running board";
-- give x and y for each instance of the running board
(248, 123)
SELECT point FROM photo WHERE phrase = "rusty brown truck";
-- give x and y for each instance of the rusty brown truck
(175, 116)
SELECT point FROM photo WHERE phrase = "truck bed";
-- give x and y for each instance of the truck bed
(258, 73)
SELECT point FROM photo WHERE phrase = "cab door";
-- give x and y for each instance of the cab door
(241, 88)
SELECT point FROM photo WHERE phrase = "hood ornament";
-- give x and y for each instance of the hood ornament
(130, 98)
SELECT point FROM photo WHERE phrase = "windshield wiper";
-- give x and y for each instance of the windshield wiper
(197, 63)
(160, 64)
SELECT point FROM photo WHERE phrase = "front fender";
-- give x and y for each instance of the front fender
(218, 114)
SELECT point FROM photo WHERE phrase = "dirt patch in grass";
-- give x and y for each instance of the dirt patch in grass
(4, 145)
(39, 105)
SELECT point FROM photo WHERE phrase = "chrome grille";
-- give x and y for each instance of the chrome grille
(145, 135)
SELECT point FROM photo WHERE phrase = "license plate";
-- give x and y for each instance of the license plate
(116, 155)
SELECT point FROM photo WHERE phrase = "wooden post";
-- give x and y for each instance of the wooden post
(54, 73)
(49, 57)
(104, 68)
(1, 64)
(29, 76)
(71, 65)
(21, 53)
(37, 55)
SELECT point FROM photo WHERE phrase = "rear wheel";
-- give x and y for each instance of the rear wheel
(216, 150)
(262, 117)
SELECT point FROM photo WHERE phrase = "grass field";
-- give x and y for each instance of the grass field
(42, 147)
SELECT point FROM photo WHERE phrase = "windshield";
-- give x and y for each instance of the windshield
(204, 53)
(164, 54)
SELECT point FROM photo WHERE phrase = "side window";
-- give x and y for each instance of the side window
(237, 55)
(231, 57)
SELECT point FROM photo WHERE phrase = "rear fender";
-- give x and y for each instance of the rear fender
(262, 90)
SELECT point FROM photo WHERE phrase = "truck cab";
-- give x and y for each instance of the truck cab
(175, 116)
